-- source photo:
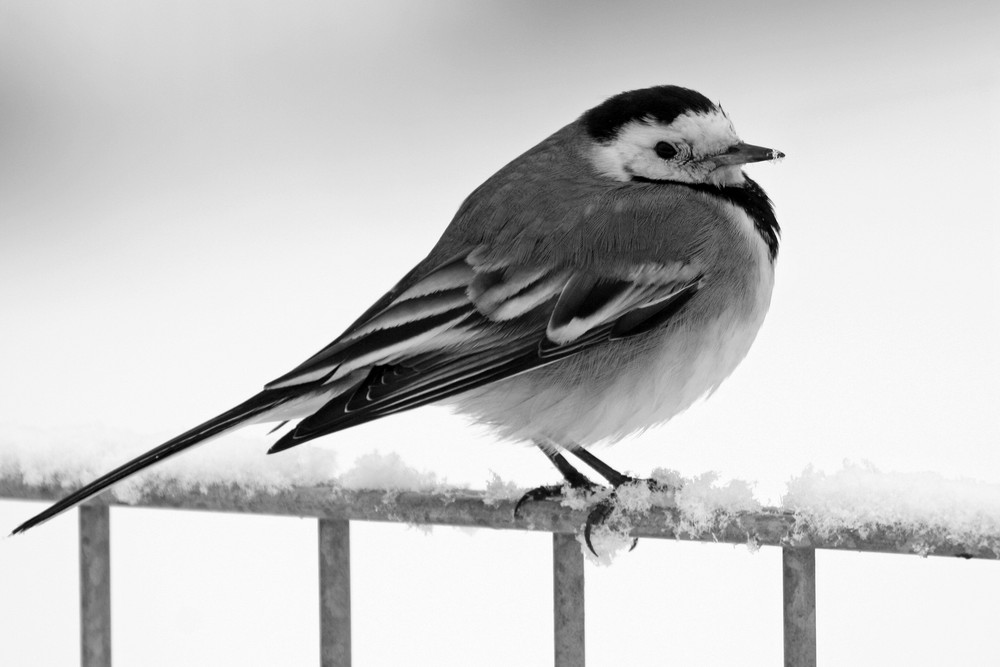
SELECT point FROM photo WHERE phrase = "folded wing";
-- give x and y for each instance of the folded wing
(466, 324)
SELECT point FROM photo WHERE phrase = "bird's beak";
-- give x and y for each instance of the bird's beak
(744, 153)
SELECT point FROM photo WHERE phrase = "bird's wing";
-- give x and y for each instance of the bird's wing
(467, 323)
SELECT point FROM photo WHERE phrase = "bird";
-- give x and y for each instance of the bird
(595, 286)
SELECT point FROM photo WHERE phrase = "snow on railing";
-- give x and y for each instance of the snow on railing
(857, 508)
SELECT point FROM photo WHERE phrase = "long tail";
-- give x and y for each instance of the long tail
(259, 404)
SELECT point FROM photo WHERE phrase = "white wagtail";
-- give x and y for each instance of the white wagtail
(597, 285)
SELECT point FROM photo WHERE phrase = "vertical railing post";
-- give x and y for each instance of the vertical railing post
(568, 600)
(95, 586)
(335, 592)
(799, 584)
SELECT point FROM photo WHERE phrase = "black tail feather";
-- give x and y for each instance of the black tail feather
(257, 405)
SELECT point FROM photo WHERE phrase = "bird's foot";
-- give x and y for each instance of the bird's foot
(629, 497)
(601, 516)
(563, 491)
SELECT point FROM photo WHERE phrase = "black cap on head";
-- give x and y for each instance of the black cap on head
(662, 103)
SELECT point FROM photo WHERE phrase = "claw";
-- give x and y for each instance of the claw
(539, 493)
(598, 515)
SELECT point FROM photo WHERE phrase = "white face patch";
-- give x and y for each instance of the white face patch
(696, 136)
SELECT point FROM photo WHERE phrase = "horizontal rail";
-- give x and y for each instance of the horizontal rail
(469, 508)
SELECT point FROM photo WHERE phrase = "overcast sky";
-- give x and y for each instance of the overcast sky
(195, 197)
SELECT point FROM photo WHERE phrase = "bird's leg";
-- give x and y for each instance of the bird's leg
(574, 478)
(614, 477)
(606, 507)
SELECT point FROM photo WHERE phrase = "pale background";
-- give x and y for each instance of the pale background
(196, 196)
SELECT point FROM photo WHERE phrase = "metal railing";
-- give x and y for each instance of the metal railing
(336, 508)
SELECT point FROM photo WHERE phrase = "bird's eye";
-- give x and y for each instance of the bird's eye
(665, 150)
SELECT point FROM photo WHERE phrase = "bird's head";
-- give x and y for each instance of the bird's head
(669, 134)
